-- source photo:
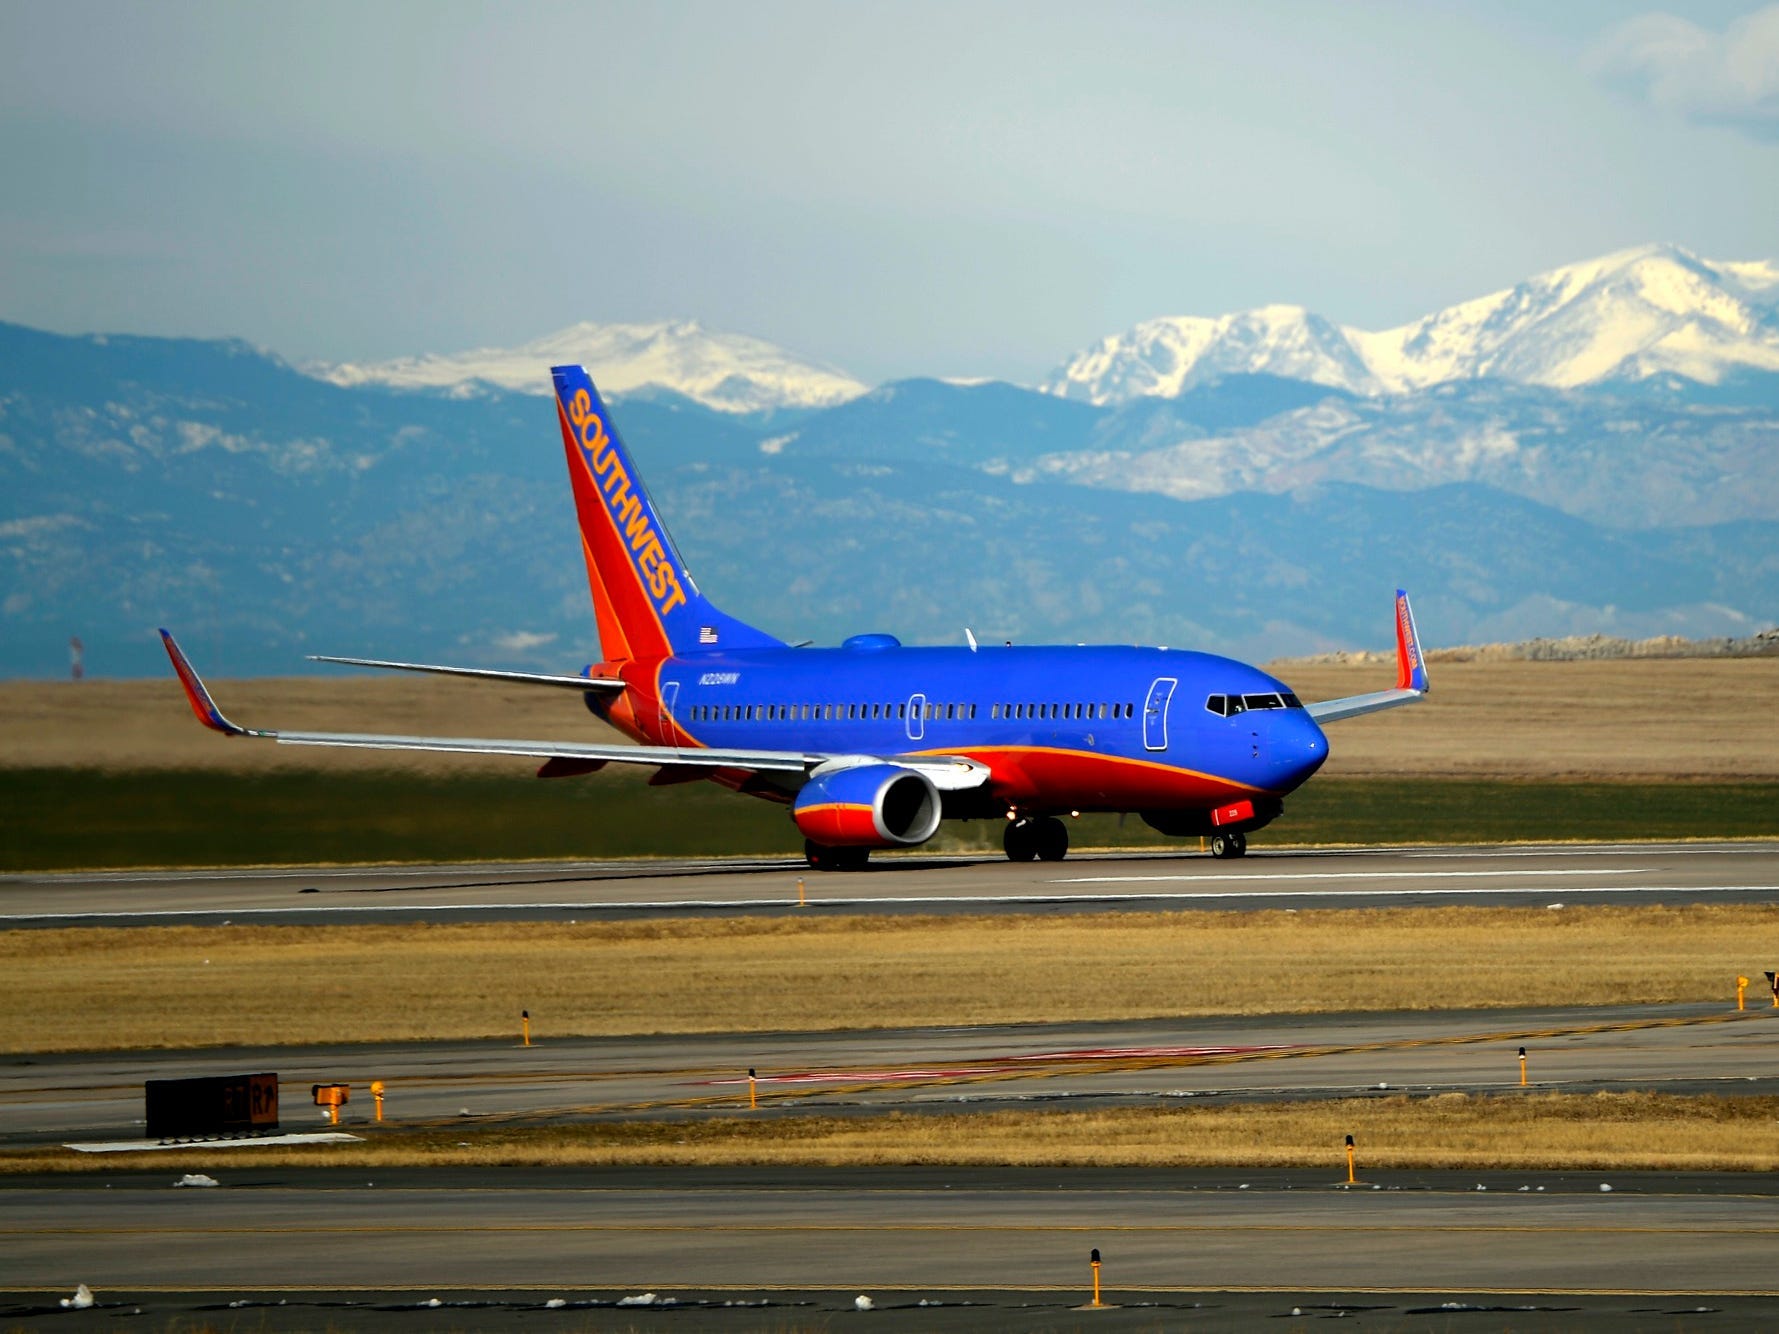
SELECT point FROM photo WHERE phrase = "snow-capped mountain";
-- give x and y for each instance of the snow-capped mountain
(725, 371)
(1162, 358)
(1654, 310)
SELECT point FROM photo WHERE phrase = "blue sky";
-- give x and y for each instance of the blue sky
(961, 189)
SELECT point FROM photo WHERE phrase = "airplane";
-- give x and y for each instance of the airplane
(872, 744)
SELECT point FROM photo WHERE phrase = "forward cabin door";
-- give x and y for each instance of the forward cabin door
(1155, 713)
(917, 727)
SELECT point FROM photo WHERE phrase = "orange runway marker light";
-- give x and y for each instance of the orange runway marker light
(801, 901)
(1095, 1262)
(1522, 1067)
(525, 1027)
(1741, 991)
(1351, 1179)
(377, 1093)
(753, 1101)
(333, 1097)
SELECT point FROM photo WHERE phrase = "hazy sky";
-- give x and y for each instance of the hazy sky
(947, 188)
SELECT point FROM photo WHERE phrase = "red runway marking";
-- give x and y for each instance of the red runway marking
(993, 1065)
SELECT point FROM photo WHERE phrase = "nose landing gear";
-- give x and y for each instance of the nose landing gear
(1229, 845)
(1046, 838)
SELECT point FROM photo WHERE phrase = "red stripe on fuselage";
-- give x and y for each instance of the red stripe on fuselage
(1049, 777)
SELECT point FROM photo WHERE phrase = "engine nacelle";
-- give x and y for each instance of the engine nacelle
(868, 806)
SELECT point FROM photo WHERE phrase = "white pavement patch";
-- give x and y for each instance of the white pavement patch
(262, 1141)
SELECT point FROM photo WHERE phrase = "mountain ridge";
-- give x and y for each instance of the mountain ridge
(1637, 313)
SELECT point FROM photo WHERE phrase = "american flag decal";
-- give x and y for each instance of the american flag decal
(707, 634)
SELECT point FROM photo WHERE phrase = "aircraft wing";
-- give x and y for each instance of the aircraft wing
(947, 773)
(1411, 676)
(481, 673)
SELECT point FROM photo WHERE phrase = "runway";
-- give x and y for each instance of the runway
(985, 1248)
(1730, 872)
(1015, 1252)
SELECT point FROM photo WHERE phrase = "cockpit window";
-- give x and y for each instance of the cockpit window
(1227, 706)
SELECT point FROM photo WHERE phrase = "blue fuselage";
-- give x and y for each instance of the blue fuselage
(1061, 728)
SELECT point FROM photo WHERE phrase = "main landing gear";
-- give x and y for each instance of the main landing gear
(1229, 845)
(823, 858)
(1047, 839)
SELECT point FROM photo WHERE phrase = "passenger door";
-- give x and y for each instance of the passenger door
(1155, 713)
(917, 727)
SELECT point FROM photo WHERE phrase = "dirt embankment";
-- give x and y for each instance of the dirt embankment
(1635, 718)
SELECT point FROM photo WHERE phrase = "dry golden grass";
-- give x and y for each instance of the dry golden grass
(149, 725)
(1537, 1131)
(93, 989)
(1632, 719)
(1653, 718)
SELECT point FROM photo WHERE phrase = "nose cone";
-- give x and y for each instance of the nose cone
(1292, 749)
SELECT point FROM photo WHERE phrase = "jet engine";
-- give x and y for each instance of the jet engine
(867, 806)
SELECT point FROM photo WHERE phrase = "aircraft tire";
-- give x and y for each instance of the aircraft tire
(1052, 839)
(1228, 845)
(1019, 842)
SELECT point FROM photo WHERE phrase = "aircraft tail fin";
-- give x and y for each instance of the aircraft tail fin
(1411, 666)
(643, 596)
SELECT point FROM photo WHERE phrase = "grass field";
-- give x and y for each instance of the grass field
(180, 987)
(1647, 719)
(1532, 1131)
(60, 818)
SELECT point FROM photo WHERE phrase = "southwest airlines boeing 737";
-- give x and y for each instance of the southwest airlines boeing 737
(872, 744)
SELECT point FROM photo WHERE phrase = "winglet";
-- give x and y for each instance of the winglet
(1411, 664)
(195, 693)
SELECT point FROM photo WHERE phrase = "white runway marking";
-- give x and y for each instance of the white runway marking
(1348, 875)
(816, 901)
(1633, 850)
